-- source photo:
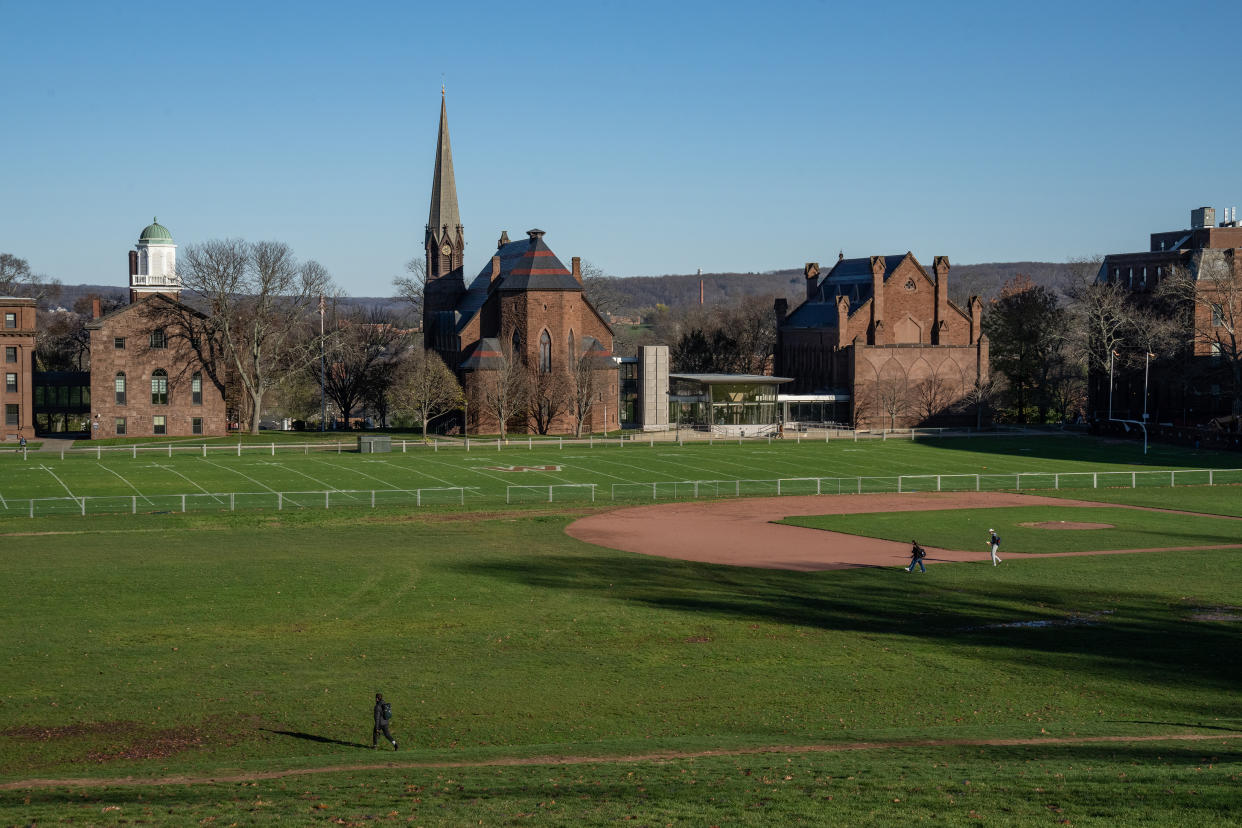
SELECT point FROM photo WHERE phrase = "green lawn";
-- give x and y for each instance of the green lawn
(220, 478)
(210, 645)
(967, 529)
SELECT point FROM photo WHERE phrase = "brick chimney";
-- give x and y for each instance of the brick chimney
(940, 326)
(96, 310)
(495, 269)
(811, 272)
(576, 267)
(843, 319)
(503, 240)
(877, 300)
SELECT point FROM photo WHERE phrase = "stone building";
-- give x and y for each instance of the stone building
(147, 377)
(17, 338)
(1197, 385)
(523, 305)
(878, 343)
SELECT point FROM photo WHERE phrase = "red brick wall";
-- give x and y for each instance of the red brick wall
(138, 360)
(22, 338)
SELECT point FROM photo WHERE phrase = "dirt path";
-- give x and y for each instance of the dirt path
(655, 756)
(742, 532)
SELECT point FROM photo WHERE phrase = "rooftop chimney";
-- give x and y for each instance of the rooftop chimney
(811, 272)
(575, 265)
(535, 235)
(96, 310)
(495, 268)
(504, 239)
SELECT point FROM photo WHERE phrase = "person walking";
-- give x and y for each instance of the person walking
(994, 545)
(383, 715)
(917, 554)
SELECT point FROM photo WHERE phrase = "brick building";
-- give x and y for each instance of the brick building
(1196, 385)
(877, 342)
(17, 338)
(524, 302)
(147, 378)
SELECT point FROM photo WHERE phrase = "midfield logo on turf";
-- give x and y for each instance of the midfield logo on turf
(523, 468)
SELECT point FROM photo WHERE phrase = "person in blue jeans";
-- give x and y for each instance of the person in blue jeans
(917, 554)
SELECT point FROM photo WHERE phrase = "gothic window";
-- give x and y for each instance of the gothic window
(159, 387)
(119, 386)
(545, 352)
(517, 345)
(573, 352)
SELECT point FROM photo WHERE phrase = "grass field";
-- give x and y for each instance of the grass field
(244, 644)
(251, 478)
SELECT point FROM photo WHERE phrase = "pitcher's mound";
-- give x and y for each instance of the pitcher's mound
(1067, 524)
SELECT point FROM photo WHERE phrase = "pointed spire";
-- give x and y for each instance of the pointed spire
(444, 214)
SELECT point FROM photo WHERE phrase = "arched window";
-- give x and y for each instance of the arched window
(159, 387)
(196, 388)
(545, 352)
(119, 385)
(517, 345)
(573, 351)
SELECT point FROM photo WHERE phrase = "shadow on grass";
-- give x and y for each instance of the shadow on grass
(311, 737)
(1135, 635)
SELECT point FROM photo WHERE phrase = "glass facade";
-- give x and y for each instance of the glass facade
(693, 403)
(629, 393)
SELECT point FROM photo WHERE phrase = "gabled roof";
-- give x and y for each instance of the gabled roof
(529, 264)
(96, 324)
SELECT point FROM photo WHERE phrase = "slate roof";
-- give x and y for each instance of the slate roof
(485, 355)
(96, 324)
(530, 265)
(443, 186)
(848, 277)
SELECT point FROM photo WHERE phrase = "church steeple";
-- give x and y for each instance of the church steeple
(445, 241)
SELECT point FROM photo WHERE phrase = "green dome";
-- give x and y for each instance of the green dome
(155, 233)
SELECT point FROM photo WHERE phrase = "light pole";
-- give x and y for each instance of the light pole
(1146, 373)
(605, 403)
(465, 418)
(323, 400)
(1111, 354)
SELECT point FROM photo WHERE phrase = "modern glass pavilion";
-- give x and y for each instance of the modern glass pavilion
(733, 403)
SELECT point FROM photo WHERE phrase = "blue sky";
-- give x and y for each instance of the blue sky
(648, 138)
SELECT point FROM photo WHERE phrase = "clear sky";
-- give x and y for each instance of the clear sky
(648, 138)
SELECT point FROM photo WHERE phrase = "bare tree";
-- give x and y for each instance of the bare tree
(16, 279)
(362, 344)
(982, 394)
(258, 297)
(1207, 299)
(932, 395)
(502, 391)
(549, 398)
(586, 383)
(425, 387)
(892, 398)
(412, 286)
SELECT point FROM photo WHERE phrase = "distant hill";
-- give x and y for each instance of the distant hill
(634, 295)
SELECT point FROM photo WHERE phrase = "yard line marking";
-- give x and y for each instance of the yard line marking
(248, 477)
(187, 479)
(448, 483)
(126, 482)
(323, 483)
(3, 504)
(61, 482)
(361, 473)
(504, 480)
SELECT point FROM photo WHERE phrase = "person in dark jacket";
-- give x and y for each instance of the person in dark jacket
(994, 545)
(917, 554)
(383, 715)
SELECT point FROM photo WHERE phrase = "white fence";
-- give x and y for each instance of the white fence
(589, 492)
(232, 501)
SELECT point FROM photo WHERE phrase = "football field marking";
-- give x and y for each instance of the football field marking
(361, 473)
(251, 479)
(58, 480)
(126, 482)
(187, 479)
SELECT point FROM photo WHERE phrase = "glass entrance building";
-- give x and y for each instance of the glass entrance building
(735, 403)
